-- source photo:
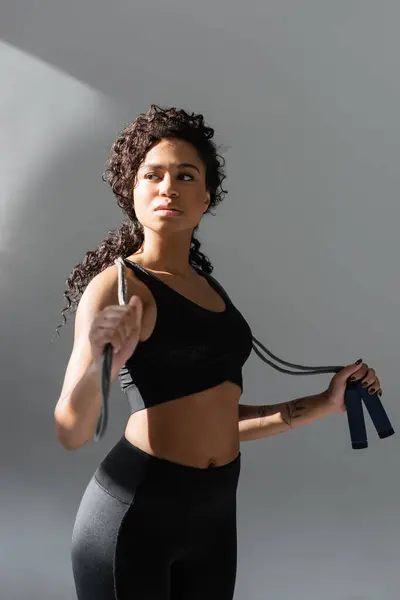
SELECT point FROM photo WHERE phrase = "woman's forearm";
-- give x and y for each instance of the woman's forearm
(256, 422)
(76, 416)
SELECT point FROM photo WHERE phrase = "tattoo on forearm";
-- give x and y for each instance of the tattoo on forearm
(263, 411)
(288, 412)
(294, 410)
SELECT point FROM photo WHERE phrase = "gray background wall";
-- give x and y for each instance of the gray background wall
(304, 96)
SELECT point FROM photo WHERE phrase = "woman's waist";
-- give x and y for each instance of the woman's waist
(127, 466)
(197, 430)
(187, 444)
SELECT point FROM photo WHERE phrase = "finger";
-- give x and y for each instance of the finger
(125, 326)
(118, 341)
(113, 322)
(122, 334)
(359, 373)
(348, 372)
(113, 311)
(133, 307)
(374, 388)
(139, 315)
(130, 326)
(130, 323)
(134, 300)
(368, 378)
(109, 335)
(373, 385)
(120, 319)
(371, 389)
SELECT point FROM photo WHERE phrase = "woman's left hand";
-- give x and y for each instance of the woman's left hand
(334, 395)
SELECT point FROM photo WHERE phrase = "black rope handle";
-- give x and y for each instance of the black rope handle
(353, 397)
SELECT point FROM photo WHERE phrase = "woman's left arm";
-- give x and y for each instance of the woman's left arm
(256, 422)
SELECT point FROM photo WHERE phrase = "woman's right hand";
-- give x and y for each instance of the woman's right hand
(119, 326)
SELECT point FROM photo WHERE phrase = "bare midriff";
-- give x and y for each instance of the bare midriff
(200, 430)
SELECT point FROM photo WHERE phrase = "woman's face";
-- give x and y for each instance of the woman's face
(171, 174)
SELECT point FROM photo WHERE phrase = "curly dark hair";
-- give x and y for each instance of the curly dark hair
(127, 153)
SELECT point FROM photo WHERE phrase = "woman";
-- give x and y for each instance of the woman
(158, 518)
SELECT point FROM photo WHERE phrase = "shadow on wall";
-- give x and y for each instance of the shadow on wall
(54, 145)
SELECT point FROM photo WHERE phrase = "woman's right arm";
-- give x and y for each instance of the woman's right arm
(78, 409)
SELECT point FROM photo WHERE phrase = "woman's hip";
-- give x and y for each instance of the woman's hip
(141, 510)
(166, 492)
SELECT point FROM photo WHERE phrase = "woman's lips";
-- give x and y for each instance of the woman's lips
(169, 212)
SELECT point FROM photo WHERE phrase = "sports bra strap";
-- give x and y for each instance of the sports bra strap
(123, 289)
(218, 287)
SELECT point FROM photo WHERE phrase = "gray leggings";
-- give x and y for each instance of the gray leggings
(151, 529)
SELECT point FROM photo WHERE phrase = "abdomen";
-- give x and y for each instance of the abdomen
(195, 430)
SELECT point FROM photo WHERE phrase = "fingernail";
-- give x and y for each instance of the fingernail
(371, 391)
(359, 361)
(352, 378)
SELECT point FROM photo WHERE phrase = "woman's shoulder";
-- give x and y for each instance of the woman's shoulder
(104, 286)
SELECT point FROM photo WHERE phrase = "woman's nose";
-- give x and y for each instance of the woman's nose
(167, 185)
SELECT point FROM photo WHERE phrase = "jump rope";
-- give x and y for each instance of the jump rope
(355, 394)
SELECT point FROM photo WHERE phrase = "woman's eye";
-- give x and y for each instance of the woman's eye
(148, 175)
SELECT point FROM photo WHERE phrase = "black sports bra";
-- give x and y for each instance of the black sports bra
(190, 350)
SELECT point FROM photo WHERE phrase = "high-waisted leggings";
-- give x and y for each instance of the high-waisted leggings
(151, 529)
